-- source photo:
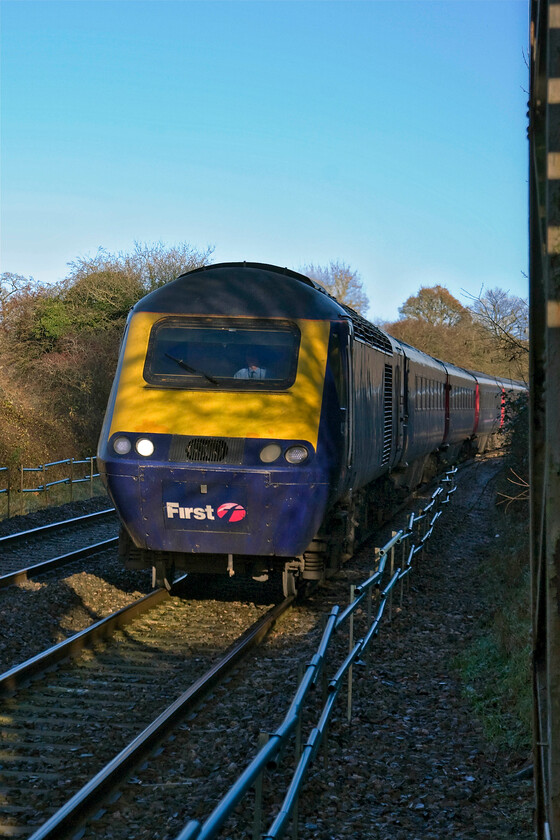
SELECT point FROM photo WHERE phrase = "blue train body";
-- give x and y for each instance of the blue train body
(254, 420)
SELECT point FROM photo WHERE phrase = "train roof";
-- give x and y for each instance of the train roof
(256, 290)
(504, 381)
(252, 290)
(419, 356)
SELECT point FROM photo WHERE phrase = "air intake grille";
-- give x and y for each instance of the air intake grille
(368, 332)
(387, 413)
(206, 450)
(200, 449)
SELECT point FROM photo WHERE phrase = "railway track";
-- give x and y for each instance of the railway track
(21, 574)
(50, 527)
(187, 765)
(65, 728)
(57, 539)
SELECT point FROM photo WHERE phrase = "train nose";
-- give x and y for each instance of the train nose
(240, 512)
(266, 512)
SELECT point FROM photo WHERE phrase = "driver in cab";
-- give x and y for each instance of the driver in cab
(253, 369)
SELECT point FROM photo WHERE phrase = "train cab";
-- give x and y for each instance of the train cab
(227, 430)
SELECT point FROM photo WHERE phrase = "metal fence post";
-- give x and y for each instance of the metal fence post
(369, 614)
(377, 589)
(325, 743)
(402, 570)
(300, 672)
(91, 477)
(21, 488)
(295, 820)
(393, 534)
(297, 757)
(350, 646)
(257, 818)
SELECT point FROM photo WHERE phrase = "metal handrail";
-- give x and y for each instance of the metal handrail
(269, 751)
(18, 492)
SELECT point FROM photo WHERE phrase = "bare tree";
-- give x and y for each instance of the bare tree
(12, 288)
(100, 290)
(506, 318)
(489, 335)
(341, 282)
(147, 266)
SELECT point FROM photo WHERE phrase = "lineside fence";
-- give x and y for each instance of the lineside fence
(372, 598)
(27, 488)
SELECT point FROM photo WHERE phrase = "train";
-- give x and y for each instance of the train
(256, 425)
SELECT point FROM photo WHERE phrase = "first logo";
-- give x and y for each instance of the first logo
(231, 512)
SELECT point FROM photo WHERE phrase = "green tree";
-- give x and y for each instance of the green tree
(27, 318)
(436, 305)
(101, 298)
(436, 322)
(51, 321)
(341, 282)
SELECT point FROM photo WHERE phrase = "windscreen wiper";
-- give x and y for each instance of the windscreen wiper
(190, 369)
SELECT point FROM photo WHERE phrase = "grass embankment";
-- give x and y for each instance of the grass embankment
(496, 666)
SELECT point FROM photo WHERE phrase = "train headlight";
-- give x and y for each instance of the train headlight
(122, 445)
(296, 454)
(144, 447)
(270, 453)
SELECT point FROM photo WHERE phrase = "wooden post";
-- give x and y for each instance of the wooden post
(544, 404)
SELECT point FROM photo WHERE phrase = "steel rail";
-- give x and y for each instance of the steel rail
(46, 565)
(20, 674)
(65, 821)
(43, 529)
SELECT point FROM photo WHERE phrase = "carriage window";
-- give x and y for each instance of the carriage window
(222, 353)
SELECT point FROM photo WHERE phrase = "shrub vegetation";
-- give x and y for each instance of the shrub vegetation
(59, 346)
(59, 343)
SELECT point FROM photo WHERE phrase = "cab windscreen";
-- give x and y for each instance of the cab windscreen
(222, 353)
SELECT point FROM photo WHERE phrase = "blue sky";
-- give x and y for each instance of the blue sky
(388, 135)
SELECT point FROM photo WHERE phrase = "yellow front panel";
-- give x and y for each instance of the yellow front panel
(291, 414)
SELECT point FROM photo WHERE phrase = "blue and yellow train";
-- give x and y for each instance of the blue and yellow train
(254, 421)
